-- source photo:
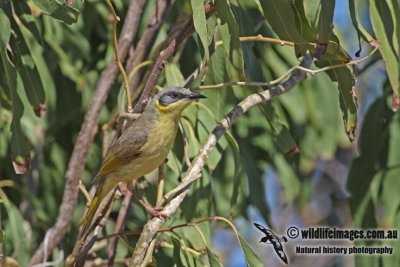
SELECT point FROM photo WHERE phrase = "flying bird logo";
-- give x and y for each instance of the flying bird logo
(271, 238)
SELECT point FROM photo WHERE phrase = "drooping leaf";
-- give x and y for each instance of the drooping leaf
(177, 253)
(28, 71)
(201, 195)
(302, 23)
(325, 24)
(356, 19)
(348, 105)
(390, 179)
(252, 259)
(229, 31)
(280, 16)
(14, 228)
(200, 24)
(173, 75)
(58, 10)
(19, 143)
(372, 143)
(25, 15)
(385, 18)
(213, 259)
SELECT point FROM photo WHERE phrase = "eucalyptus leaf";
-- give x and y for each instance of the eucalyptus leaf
(229, 31)
(29, 73)
(200, 24)
(58, 10)
(385, 18)
(212, 259)
(24, 13)
(354, 8)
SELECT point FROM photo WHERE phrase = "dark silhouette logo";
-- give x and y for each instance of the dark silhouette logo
(271, 238)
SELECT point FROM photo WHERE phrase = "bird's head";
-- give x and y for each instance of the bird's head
(175, 99)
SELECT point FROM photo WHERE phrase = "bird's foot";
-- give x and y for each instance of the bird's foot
(153, 211)
(156, 212)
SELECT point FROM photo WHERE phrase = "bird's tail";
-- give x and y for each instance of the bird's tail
(87, 223)
(94, 204)
(103, 187)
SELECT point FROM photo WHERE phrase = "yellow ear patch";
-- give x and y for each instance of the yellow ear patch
(161, 107)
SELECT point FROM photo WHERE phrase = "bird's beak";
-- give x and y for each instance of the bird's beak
(193, 96)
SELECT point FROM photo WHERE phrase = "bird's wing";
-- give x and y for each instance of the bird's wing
(264, 230)
(123, 150)
(282, 255)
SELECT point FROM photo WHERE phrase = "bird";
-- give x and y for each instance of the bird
(274, 240)
(142, 147)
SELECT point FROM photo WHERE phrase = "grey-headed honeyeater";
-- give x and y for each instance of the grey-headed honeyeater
(142, 147)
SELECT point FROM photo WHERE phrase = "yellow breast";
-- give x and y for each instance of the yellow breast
(155, 151)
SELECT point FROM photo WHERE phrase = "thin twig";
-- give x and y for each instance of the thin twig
(281, 78)
(117, 56)
(260, 38)
(179, 193)
(200, 233)
(138, 67)
(78, 158)
(84, 191)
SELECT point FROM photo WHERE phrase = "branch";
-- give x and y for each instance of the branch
(179, 193)
(164, 55)
(78, 158)
(145, 43)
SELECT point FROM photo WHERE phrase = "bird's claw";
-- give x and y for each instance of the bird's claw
(157, 212)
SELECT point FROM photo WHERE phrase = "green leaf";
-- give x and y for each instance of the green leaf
(212, 259)
(5, 30)
(14, 229)
(200, 24)
(28, 20)
(288, 178)
(302, 23)
(229, 31)
(372, 141)
(348, 105)
(201, 195)
(239, 173)
(19, 143)
(325, 24)
(281, 17)
(279, 126)
(252, 259)
(177, 252)
(255, 181)
(28, 71)
(58, 10)
(173, 75)
(390, 181)
(385, 18)
(354, 6)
